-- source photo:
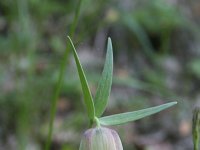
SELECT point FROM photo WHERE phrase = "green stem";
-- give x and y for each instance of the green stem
(196, 127)
(60, 78)
(97, 122)
(75, 21)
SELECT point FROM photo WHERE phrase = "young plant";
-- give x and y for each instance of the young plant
(101, 138)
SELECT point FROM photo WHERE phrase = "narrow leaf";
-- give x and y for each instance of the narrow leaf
(86, 91)
(132, 116)
(104, 86)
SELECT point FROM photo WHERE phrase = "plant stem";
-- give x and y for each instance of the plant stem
(75, 21)
(60, 78)
(196, 127)
(97, 122)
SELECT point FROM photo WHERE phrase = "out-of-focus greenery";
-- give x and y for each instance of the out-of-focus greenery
(156, 57)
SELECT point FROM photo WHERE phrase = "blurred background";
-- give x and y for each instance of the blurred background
(156, 60)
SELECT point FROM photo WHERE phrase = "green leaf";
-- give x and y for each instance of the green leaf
(86, 91)
(132, 116)
(104, 86)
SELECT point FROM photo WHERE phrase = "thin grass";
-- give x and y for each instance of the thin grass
(60, 78)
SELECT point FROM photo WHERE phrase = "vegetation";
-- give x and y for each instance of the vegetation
(156, 57)
(95, 108)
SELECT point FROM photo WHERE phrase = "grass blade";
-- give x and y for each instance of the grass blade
(132, 116)
(60, 78)
(104, 87)
(86, 91)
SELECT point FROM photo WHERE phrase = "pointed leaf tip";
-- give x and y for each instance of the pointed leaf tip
(85, 88)
(105, 83)
(132, 116)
